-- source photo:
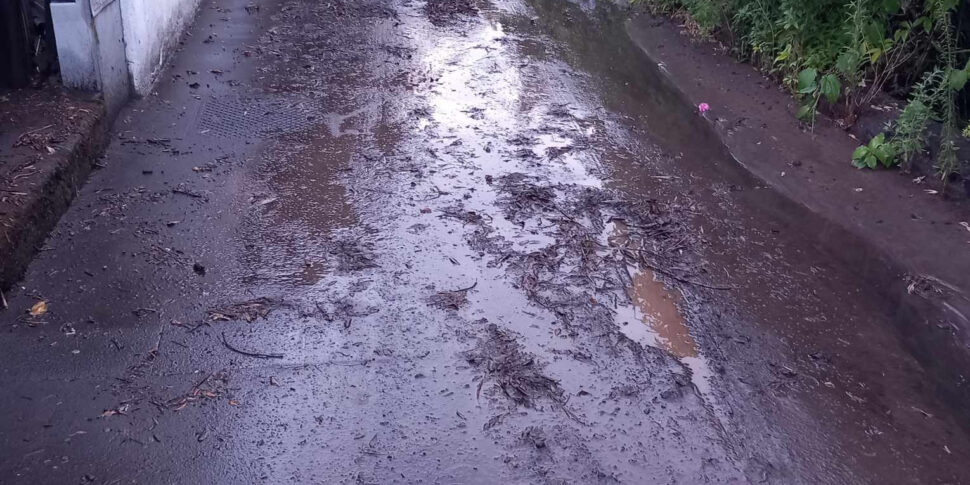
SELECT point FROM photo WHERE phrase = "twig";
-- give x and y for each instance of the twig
(139, 312)
(472, 287)
(203, 381)
(257, 355)
(31, 132)
(438, 194)
(188, 193)
(379, 191)
(3, 300)
(687, 281)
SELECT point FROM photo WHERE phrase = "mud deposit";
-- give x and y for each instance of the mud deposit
(399, 242)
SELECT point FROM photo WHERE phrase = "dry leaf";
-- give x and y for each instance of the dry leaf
(233, 402)
(38, 309)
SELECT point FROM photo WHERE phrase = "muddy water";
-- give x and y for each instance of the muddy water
(789, 297)
(475, 221)
(654, 304)
(490, 249)
(654, 317)
(656, 307)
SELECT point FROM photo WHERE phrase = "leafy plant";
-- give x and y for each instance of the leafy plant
(813, 88)
(876, 51)
(848, 52)
(946, 159)
(909, 138)
(878, 151)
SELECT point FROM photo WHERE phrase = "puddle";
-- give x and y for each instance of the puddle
(656, 307)
(654, 318)
(292, 215)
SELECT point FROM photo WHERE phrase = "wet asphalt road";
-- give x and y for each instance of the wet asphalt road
(390, 242)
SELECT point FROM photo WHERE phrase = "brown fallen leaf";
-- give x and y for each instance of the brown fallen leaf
(233, 402)
(38, 309)
(121, 411)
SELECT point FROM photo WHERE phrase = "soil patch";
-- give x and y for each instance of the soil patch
(49, 141)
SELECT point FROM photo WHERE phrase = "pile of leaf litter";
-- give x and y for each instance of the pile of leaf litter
(512, 372)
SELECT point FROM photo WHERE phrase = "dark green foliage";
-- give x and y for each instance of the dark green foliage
(846, 52)
(909, 136)
(878, 151)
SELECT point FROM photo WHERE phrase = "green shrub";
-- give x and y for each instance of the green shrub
(846, 52)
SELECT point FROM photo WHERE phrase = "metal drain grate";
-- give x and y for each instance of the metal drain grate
(236, 117)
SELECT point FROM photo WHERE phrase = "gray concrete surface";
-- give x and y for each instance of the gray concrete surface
(399, 242)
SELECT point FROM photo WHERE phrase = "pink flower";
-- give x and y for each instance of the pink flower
(703, 108)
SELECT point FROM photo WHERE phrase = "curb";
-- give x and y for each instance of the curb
(26, 224)
(930, 314)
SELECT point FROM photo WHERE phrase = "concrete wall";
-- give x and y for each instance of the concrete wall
(117, 46)
(152, 30)
(77, 50)
(91, 49)
(115, 83)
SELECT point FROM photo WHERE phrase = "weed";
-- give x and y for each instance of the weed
(878, 151)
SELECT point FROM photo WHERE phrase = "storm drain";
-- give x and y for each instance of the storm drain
(260, 117)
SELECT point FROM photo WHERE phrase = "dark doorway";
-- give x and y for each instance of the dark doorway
(28, 54)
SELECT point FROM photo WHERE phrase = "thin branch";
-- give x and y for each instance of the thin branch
(257, 355)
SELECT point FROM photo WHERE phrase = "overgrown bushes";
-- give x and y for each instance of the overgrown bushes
(841, 54)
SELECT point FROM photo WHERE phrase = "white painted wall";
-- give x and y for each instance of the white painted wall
(115, 83)
(91, 49)
(77, 50)
(152, 30)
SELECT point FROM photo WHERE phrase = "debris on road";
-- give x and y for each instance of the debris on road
(257, 355)
(247, 311)
(183, 190)
(452, 300)
(38, 309)
(512, 371)
(441, 12)
(212, 386)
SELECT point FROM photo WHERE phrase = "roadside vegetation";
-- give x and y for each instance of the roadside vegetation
(840, 56)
